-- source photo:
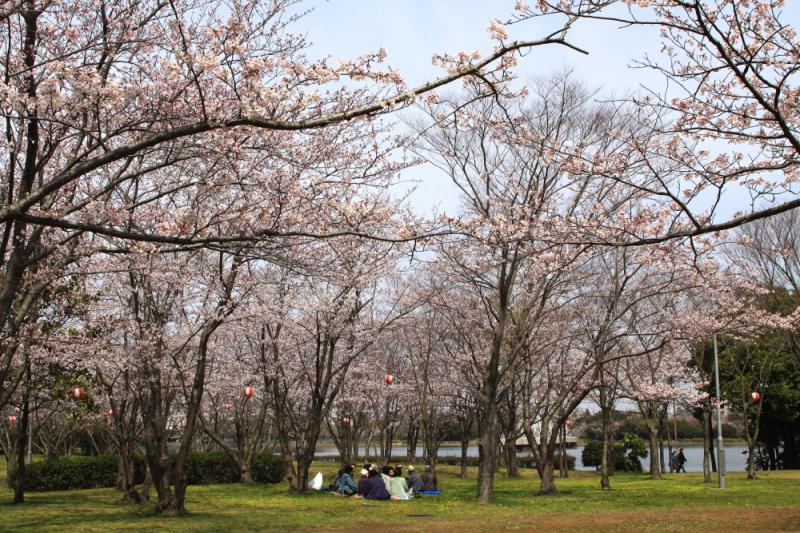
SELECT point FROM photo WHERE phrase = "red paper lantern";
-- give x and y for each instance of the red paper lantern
(346, 420)
(77, 393)
(248, 391)
(12, 420)
(229, 405)
(388, 378)
(755, 396)
(109, 412)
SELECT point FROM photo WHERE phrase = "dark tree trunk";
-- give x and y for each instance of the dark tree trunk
(605, 467)
(22, 441)
(464, 450)
(512, 466)
(487, 451)
(411, 441)
(547, 481)
(655, 472)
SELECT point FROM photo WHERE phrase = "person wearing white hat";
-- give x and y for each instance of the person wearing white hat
(414, 480)
(362, 483)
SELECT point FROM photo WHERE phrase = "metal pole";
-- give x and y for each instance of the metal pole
(720, 444)
(675, 422)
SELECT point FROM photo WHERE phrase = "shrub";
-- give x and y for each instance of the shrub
(625, 453)
(268, 468)
(218, 467)
(527, 461)
(209, 467)
(75, 472)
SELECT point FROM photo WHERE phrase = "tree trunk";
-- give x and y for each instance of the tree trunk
(125, 475)
(605, 483)
(751, 459)
(563, 463)
(655, 472)
(487, 451)
(22, 441)
(291, 471)
(301, 478)
(411, 441)
(464, 450)
(245, 473)
(512, 466)
(545, 467)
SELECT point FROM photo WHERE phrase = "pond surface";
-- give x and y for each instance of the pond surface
(735, 456)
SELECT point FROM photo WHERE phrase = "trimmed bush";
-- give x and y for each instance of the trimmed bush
(625, 454)
(268, 468)
(78, 472)
(209, 467)
(218, 467)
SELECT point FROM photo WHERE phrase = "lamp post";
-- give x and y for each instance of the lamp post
(720, 444)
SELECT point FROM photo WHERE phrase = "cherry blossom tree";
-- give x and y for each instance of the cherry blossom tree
(110, 107)
(653, 381)
(515, 195)
(727, 122)
(230, 413)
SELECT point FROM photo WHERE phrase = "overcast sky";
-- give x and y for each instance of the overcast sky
(411, 31)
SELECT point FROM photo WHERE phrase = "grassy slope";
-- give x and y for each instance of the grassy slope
(677, 503)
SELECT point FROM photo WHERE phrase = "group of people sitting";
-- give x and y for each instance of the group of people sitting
(387, 483)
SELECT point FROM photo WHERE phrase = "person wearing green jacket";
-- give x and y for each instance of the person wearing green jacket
(398, 488)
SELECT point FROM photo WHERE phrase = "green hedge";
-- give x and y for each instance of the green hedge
(625, 453)
(268, 468)
(218, 467)
(77, 472)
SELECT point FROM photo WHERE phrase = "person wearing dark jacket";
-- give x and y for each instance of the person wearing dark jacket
(346, 486)
(362, 483)
(414, 480)
(681, 461)
(376, 488)
(429, 481)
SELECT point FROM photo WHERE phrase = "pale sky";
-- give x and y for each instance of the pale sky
(411, 31)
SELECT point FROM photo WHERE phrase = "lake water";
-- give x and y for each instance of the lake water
(734, 455)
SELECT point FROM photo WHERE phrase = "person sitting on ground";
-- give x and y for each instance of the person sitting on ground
(385, 475)
(398, 470)
(375, 488)
(346, 486)
(335, 484)
(414, 480)
(429, 481)
(398, 489)
(362, 483)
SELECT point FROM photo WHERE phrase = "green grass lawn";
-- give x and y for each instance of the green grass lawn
(677, 503)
